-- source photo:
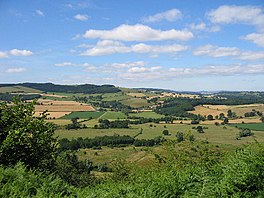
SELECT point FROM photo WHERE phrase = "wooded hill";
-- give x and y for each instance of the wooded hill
(85, 88)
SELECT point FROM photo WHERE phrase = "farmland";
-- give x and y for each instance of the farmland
(83, 115)
(252, 126)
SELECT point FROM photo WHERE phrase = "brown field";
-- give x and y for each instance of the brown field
(214, 110)
(62, 106)
(234, 121)
(53, 114)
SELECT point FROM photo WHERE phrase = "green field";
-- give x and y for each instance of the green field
(147, 114)
(111, 115)
(214, 134)
(135, 102)
(91, 133)
(251, 126)
(83, 115)
(115, 96)
(18, 89)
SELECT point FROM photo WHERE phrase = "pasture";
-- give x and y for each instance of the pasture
(18, 89)
(147, 114)
(135, 102)
(112, 115)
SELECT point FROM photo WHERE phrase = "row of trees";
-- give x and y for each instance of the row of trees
(111, 141)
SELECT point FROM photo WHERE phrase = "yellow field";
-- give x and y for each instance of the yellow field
(214, 110)
(62, 106)
(53, 114)
(54, 95)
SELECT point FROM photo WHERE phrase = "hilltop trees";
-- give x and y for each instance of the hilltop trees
(25, 138)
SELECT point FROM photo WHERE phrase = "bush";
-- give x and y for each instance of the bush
(245, 133)
(24, 137)
(165, 132)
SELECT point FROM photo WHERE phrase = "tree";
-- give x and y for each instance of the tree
(199, 129)
(210, 117)
(24, 137)
(221, 116)
(179, 137)
(262, 119)
(165, 132)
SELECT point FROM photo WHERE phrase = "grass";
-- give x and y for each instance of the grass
(20, 89)
(91, 133)
(111, 115)
(251, 126)
(83, 115)
(135, 102)
(115, 96)
(147, 114)
(214, 134)
(138, 155)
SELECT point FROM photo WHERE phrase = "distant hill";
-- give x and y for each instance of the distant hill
(17, 89)
(50, 87)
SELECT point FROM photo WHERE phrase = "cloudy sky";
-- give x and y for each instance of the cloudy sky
(180, 45)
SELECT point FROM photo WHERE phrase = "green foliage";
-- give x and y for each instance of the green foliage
(9, 97)
(165, 132)
(245, 133)
(73, 171)
(25, 138)
(17, 181)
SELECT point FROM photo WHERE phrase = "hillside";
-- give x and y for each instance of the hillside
(50, 87)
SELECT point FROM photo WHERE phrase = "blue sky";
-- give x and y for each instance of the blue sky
(180, 45)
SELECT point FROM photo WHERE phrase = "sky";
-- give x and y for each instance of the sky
(200, 45)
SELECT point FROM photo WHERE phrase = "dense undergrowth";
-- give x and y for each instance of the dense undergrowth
(236, 174)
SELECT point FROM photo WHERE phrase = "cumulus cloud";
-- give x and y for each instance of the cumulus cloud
(128, 64)
(139, 32)
(169, 15)
(258, 39)
(215, 51)
(107, 47)
(64, 64)
(81, 17)
(16, 52)
(87, 66)
(3, 55)
(225, 14)
(163, 73)
(16, 70)
(203, 27)
(40, 13)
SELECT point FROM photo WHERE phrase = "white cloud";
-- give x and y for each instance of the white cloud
(81, 17)
(3, 55)
(40, 13)
(16, 52)
(238, 14)
(163, 73)
(64, 64)
(258, 39)
(203, 27)
(169, 15)
(215, 51)
(16, 70)
(128, 64)
(139, 32)
(107, 47)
